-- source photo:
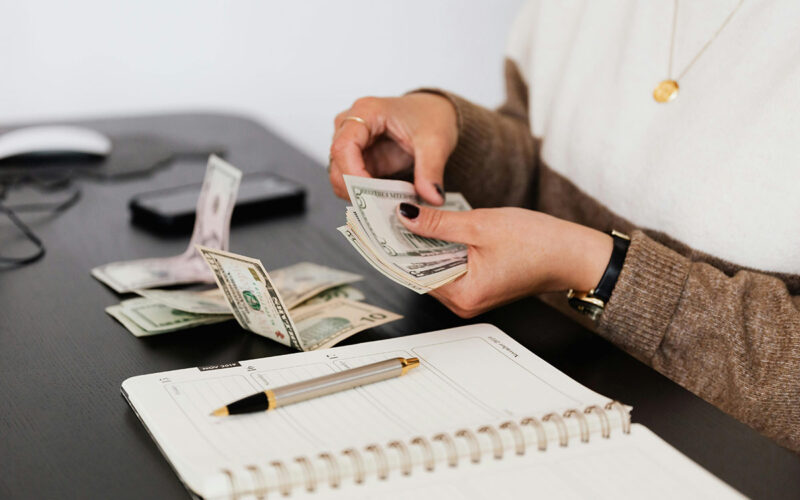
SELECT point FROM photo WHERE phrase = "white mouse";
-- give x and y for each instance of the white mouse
(53, 140)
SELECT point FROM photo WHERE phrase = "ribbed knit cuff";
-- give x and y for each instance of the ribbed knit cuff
(645, 297)
(474, 140)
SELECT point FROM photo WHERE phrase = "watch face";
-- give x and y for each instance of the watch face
(586, 305)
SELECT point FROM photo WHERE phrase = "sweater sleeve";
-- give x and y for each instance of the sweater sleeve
(495, 159)
(732, 340)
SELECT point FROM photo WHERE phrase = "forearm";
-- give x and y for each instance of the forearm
(734, 341)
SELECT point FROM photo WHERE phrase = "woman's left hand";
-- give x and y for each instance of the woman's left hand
(512, 253)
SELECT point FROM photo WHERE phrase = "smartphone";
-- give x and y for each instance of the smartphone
(261, 195)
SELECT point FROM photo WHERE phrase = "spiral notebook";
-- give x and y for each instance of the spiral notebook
(482, 417)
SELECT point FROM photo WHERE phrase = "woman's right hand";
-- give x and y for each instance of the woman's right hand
(419, 130)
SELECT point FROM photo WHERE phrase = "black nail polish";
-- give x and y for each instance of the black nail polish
(409, 211)
(439, 189)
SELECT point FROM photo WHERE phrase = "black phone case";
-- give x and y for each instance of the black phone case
(270, 206)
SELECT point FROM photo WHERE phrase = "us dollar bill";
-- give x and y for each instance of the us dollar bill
(377, 264)
(144, 317)
(299, 282)
(373, 228)
(427, 272)
(193, 301)
(252, 296)
(339, 292)
(319, 325)
(211, 229)
(375, 201)
(326, 324)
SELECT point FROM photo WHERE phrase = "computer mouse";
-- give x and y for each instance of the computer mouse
(53, 141)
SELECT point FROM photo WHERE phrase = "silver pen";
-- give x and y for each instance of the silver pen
(320, 386)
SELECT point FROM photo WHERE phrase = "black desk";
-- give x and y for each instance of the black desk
(67, 432)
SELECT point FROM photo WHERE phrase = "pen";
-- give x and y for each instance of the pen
(319, 386)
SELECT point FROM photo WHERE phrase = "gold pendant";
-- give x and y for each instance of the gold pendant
(666, 91)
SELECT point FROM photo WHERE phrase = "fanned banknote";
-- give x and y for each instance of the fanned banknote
(330, 316)
(374, 229)
(252, 296)
(211, 229)
(213, 301)
(258, 306)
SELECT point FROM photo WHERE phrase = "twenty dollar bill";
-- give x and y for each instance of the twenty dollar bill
(252, 296)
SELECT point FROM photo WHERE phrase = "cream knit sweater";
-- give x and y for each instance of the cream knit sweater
(719, 167)
(708, 185)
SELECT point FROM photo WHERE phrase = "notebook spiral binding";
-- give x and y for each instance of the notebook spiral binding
(378, 453)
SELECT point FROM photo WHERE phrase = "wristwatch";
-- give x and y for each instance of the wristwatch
(593, 302)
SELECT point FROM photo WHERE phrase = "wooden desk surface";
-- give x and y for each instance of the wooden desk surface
(67, 432)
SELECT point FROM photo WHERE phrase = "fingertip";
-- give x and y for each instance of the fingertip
(431, 192)
(408, 211)
(337, 182)
(439, 189)
(348, 160)
(338, 191)
(408, 214)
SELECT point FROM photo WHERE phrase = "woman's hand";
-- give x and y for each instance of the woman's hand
(512, 253)
(418, 129)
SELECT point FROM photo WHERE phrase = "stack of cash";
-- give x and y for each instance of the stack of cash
(258, 303)
(306, 306)
(374, 230)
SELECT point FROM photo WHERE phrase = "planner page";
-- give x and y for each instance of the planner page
(468, 376)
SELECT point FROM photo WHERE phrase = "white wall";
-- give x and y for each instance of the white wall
(291, 64)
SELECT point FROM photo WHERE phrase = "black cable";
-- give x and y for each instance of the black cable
(48, 207)
(21, 261)
(52, 207)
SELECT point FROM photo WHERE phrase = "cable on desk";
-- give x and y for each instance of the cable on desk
(11, 211)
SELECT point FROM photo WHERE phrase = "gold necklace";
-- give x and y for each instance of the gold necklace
(667, 90)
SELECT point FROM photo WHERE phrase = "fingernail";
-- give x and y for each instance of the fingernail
(439, 189)
(409, 211)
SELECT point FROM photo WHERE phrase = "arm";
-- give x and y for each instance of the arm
(732, 340)
(495, 158)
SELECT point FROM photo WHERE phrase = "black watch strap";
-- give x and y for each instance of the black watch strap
(606, 285)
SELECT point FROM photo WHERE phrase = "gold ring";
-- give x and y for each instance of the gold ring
(359, 120)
